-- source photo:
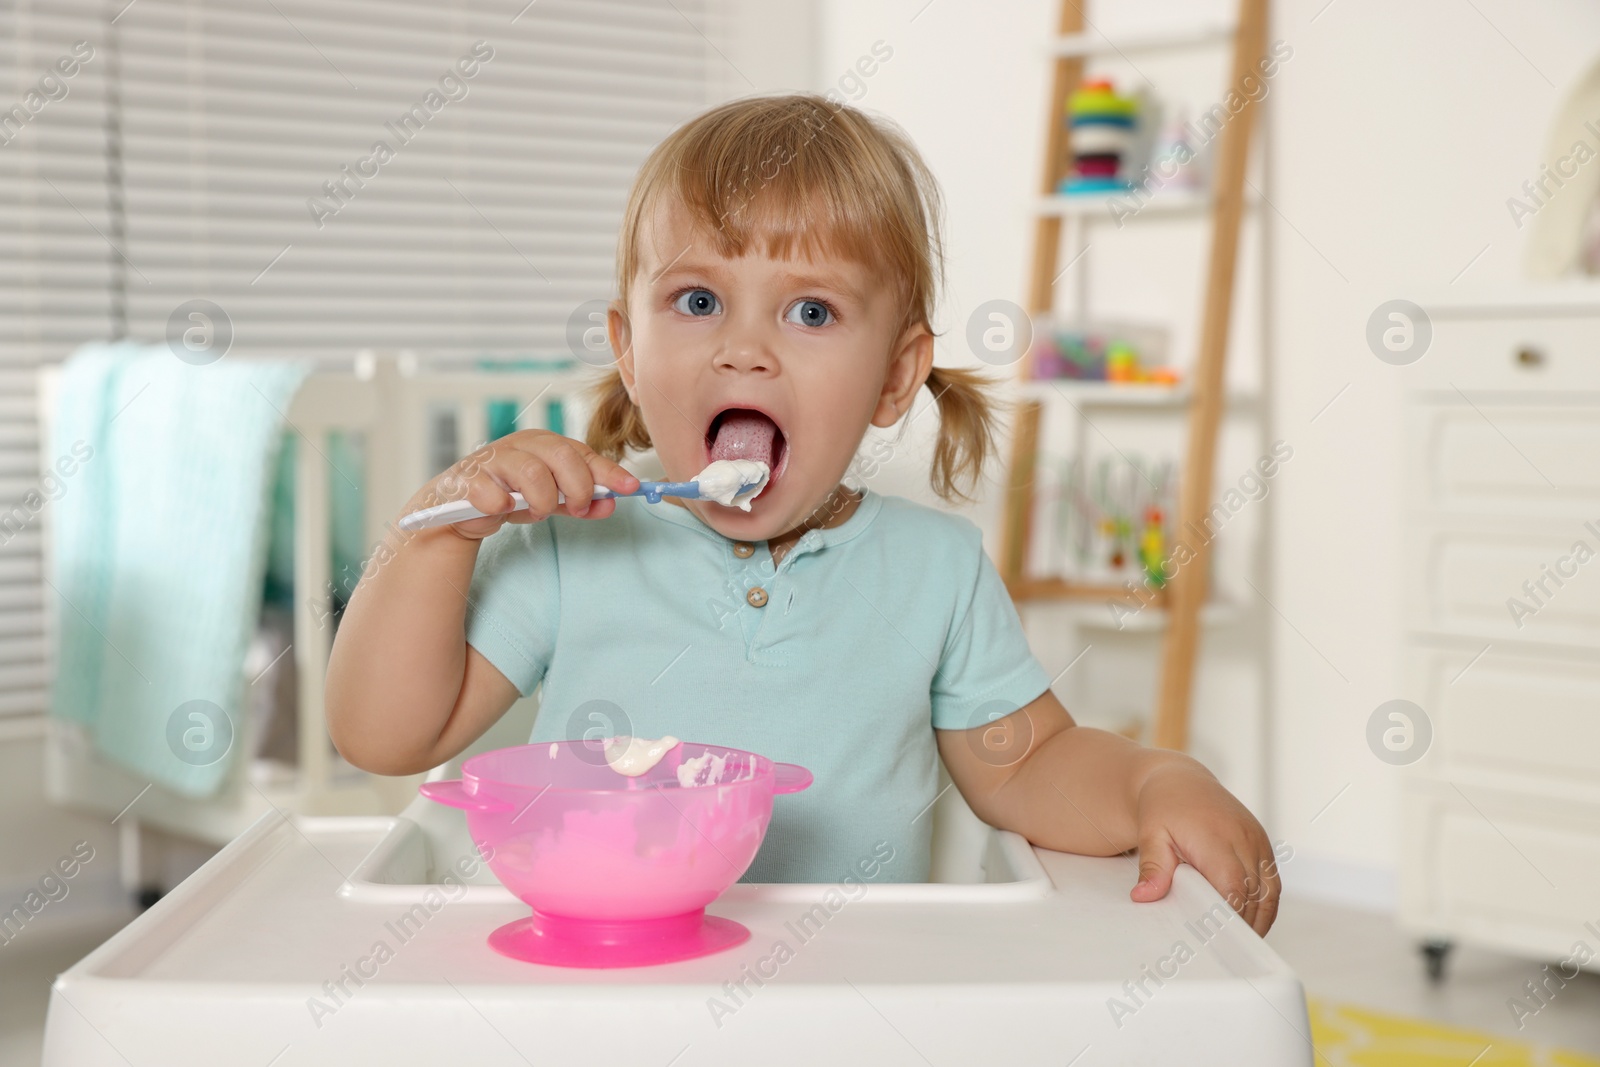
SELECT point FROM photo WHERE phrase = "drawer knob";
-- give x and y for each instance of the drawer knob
(1528, 356)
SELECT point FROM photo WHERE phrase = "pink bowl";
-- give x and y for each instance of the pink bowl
(618, 870)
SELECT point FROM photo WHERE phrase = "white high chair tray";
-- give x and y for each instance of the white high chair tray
(1022, 956)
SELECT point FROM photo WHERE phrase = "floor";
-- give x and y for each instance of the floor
(1362, 958)
(1342, 955)
(27, 967)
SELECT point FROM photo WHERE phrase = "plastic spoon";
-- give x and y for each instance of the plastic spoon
(461, 510)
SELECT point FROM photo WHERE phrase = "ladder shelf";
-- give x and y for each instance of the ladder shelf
(1179, 607)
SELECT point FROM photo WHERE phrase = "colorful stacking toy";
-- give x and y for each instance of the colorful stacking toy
(1102, 124)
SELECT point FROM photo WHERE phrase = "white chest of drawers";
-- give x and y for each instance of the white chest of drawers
(1501, 832)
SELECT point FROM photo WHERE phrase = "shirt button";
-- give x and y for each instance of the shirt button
(756, 597)
(743, 549)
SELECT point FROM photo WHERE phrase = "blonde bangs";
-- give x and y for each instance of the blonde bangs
(796, 176)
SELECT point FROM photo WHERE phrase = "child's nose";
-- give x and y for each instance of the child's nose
(747, 351)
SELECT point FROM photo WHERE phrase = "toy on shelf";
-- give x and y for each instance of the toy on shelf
(1122, 362)
(1103, 124)
(1110, 525)
(1152, 547)
(1128, 355)
(1177, 162)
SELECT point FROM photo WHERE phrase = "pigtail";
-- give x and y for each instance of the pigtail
(966, 430)
(615, 427)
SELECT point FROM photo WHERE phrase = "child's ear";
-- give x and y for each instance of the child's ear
(620, 334)
(909, 367)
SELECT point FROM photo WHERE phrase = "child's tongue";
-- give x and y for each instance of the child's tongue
(745, 435)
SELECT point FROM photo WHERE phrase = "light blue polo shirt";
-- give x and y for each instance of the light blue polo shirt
(870, 635)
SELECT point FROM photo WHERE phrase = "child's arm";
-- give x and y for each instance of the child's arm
(405, 692)
(1077, 789)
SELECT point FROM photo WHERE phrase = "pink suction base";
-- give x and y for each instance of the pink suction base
(563, 942)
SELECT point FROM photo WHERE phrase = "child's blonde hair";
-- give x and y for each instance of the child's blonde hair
(802, 174)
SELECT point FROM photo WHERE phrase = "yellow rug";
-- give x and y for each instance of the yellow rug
(1346, 1036)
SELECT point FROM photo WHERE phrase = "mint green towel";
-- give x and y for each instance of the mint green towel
(160, 544)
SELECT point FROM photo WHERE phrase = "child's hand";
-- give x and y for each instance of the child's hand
(1185, 815)
(1077, 789)
(535, 463)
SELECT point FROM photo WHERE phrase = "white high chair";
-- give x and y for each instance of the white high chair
(335, 940)
(319, 935)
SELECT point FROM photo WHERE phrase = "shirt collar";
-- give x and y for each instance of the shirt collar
(809, 541)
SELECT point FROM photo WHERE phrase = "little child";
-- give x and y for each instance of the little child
(777, 269)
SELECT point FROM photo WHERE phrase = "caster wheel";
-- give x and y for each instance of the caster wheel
(1434, 954)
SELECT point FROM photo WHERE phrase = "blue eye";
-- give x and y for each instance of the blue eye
(697, 302)
(812, 313)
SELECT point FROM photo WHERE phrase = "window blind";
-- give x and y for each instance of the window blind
(58, 283)
(321, 176)
(383, 173)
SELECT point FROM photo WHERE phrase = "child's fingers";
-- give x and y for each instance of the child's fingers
(1249, 901)
(1158, 858)
(1267, 911)
(489, 496)
(525, 473)
(570, 467)
(1229, 873)
(1266, 886)
(608, 472)
(539, 465)
(1258, 868)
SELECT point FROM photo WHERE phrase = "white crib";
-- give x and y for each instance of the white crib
(397, 403)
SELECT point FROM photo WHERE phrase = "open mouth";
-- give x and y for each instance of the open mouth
(745, 433)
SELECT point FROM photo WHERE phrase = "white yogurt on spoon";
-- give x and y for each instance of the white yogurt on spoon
(722, 479)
